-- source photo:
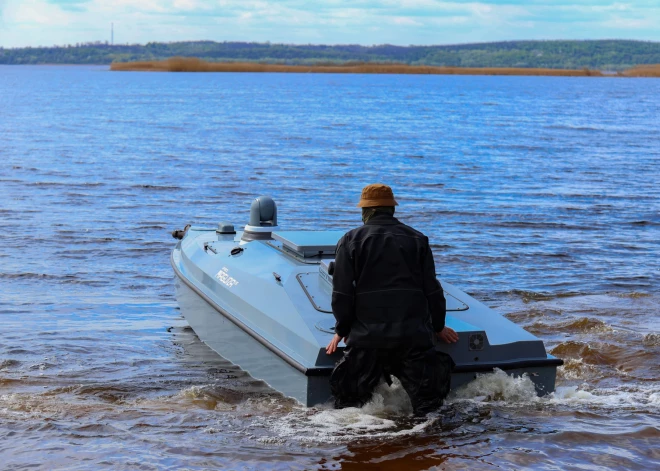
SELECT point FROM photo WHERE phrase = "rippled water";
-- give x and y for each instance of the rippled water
(540, 196)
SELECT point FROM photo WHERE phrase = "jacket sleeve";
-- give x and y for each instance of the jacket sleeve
(343, 290)
(434, 293)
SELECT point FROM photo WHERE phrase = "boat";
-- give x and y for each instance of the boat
(261, 298)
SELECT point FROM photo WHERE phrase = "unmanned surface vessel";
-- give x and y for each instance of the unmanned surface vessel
(261, 298)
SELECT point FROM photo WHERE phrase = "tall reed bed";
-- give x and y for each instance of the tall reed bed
(643, 71)
(185, 64)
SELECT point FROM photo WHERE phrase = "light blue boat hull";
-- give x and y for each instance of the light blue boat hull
(267, 309)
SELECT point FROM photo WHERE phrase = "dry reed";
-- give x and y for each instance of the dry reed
(643, 71)
(185, 64)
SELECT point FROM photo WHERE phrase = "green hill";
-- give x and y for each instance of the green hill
(601, 54)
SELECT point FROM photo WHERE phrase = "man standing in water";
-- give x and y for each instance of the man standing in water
(388, 305)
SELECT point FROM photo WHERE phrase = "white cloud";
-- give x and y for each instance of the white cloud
(34, 22)
(405, 21)
(450, 20)
(36, 12)
(629, 23)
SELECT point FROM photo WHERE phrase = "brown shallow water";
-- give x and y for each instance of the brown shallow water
(551, 217)
(84, 397)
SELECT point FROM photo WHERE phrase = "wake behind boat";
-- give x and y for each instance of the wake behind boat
(261, 299)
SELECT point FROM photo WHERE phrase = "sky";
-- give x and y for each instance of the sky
(367, 22)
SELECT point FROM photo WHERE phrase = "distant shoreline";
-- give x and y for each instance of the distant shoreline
(184, 64)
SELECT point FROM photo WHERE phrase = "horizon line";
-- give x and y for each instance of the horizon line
(106, 43)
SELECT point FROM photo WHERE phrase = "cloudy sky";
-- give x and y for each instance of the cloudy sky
(403, 22)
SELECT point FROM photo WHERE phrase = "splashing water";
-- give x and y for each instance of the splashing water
(498, 386)
(385, 415)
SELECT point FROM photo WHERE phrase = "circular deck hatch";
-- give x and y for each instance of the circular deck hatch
(326, 325)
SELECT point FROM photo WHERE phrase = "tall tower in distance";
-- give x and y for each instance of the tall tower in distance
(112, 34)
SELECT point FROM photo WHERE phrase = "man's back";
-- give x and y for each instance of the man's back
(388, 304)
(385, 292)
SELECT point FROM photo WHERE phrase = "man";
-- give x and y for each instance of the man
(388, 305)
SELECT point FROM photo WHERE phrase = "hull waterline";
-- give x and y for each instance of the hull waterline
(233, 343)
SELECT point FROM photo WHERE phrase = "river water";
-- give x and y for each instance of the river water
(541, 197)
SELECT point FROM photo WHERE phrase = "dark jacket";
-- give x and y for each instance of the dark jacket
(384, 291)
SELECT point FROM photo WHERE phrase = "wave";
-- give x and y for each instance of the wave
(152, 226)
(529, 148)
(576, 128)
(539, 296)
(498, 387)
(35, 276)
(543, 225)
(230, 394)
(158, 187)
(75, 279)
(644, 223)
(584, 324)
(576, 369)
(651, 340)
(387, 415)
(9, 363)
(605, 355)
(64, 185)
(634, 359)
(573, 437)
(633, 295)
(580, 325)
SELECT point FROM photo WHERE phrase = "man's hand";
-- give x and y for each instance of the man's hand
(332, 346)
(447, 335)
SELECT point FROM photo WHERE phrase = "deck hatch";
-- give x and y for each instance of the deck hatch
(309, 243)
(326, 325)
(453, 303)
(318, 291)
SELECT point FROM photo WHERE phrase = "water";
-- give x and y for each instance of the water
(540, 196)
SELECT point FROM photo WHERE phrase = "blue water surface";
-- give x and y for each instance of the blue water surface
(540, 196)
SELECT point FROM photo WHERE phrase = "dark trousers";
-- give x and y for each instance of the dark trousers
(424, 373)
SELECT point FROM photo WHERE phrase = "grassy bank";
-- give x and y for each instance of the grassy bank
(182, 64)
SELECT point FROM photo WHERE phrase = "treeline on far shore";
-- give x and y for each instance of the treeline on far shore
(603, 55)
(186, 64)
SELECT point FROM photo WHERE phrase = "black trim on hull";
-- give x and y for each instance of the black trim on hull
(472, 368)
(326, 371)
(512, 365)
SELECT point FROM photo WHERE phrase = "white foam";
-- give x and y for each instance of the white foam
(571, 394)
(387, 415)
(576, 368)
(382, 417)
(378, 418)
(351, 418)
(389, 400)
(497, 386)
(622, 397)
